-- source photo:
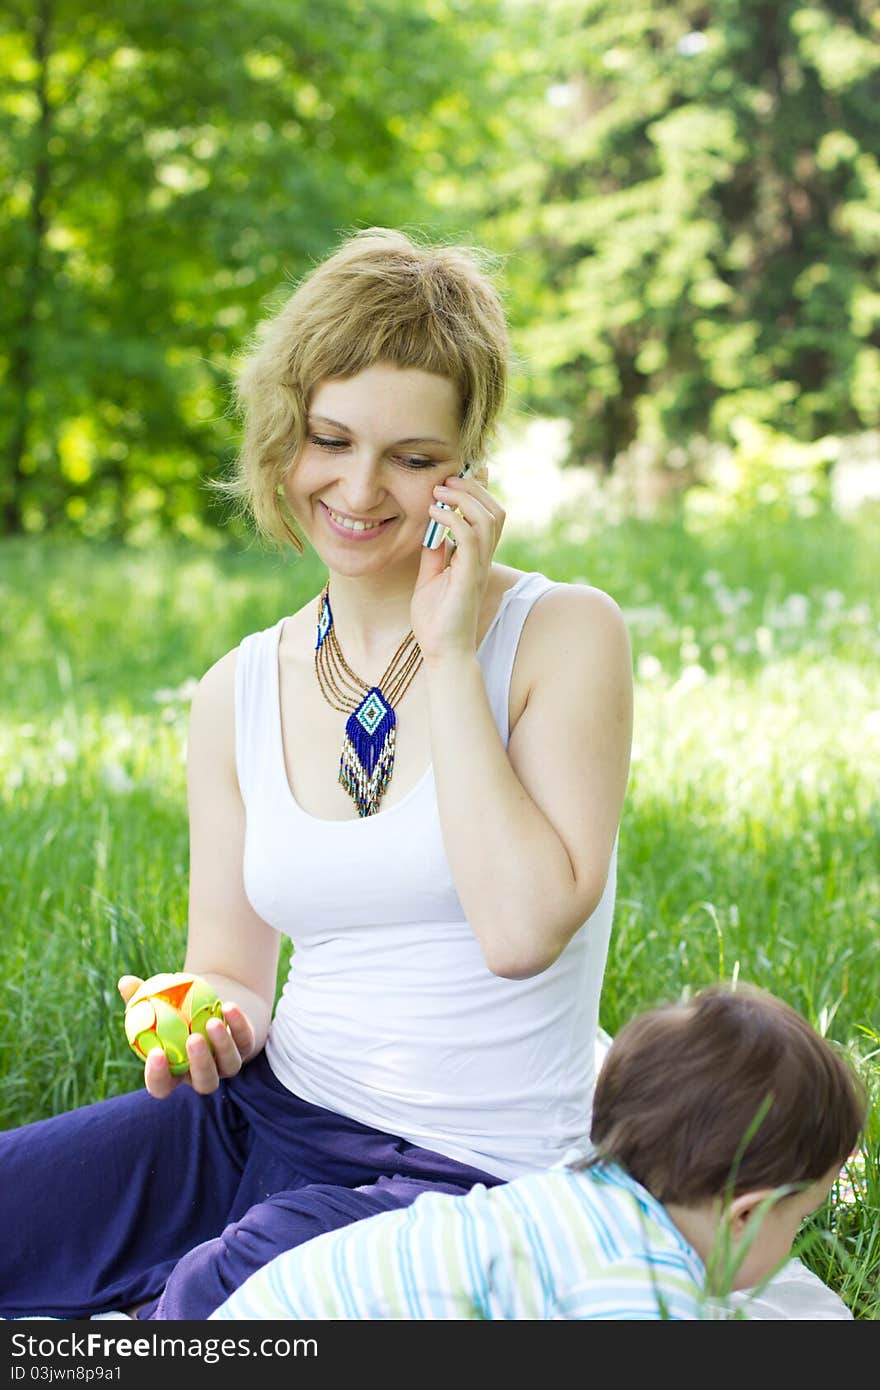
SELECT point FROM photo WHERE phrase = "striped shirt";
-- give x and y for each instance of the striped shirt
(560, 1244)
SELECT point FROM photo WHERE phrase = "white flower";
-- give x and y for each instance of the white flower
(182, 695)
(797, 608)
(115, 778)
(690, 678)
(650, 615)
(726, 601)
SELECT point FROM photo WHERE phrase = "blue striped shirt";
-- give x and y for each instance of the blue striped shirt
(560, 1244)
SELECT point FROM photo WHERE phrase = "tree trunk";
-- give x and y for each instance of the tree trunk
(22, 356)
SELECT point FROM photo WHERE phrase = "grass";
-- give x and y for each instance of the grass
(749, 838)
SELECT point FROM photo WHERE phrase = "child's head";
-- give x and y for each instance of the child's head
(381, 298)
(729, 1097)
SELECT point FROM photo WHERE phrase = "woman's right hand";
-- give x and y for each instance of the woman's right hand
(230, 1042)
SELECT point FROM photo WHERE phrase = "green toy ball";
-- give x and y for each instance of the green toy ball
(165, 1010)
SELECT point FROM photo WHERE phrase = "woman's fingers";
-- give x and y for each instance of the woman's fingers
(473, 530)
(458, 490)
(157, 1074)
(203, 1074)
(240, 1034)
(220, 1054)
(480, 521)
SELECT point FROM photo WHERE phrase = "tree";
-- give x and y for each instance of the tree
(172, 167)
(700, 216)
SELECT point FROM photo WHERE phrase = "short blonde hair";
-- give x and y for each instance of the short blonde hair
(380, 297)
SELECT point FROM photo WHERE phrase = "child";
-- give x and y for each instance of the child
(718, 1126)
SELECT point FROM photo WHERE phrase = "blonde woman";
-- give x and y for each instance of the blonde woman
(418, 777)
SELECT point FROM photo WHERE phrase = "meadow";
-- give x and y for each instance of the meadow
(749, 840)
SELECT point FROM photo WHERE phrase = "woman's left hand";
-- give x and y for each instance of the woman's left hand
(452, 579)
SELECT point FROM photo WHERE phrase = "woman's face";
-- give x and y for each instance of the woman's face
(377, 445)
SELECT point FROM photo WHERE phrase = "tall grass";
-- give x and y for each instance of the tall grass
(749, 837)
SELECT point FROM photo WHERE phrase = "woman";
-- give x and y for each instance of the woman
(419, 777)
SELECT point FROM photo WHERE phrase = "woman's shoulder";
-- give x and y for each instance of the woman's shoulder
(587, 607)
(565, 604)
(504, 577)
(213, 699)
(576, 626)
(219, 678)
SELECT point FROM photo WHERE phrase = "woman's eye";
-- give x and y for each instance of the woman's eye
(333, 444)
(324, 443)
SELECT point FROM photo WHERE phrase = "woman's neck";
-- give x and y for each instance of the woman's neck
(371, 617)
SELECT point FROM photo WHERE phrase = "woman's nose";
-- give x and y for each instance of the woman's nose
(363, 484)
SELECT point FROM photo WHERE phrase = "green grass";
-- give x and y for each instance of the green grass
(749, 837)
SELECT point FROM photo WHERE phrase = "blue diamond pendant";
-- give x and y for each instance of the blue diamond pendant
(367, 758)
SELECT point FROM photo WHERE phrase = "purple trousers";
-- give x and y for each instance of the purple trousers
(172, 1204)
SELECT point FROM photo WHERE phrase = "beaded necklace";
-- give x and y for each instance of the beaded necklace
(367, 758)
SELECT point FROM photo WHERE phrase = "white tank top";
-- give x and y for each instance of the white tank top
(389, 1014)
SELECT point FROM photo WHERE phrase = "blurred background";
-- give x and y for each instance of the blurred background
(684, 199)
(683, 202)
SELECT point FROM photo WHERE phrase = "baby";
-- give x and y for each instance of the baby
(718, 1125)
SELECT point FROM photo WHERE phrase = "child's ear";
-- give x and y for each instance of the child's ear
(744, 1207)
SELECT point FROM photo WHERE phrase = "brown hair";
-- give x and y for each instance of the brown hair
(731, 1092)
(381, 297)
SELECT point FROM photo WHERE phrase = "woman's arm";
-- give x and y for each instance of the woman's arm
(529, 831)
(228, 944)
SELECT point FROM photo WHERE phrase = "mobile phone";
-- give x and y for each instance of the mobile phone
(436, 531)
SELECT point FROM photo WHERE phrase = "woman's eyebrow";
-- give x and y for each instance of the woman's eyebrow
(325, 420)
(414, 439)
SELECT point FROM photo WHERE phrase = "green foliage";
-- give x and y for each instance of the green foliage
(686, 198)
(701, 221)
(170, 166)
(766, 472)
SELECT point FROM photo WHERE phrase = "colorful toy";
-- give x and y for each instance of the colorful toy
(165, 1010)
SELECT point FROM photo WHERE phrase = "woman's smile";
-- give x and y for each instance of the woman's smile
(351, 529)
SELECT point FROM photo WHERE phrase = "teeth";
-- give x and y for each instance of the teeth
(353, 525)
